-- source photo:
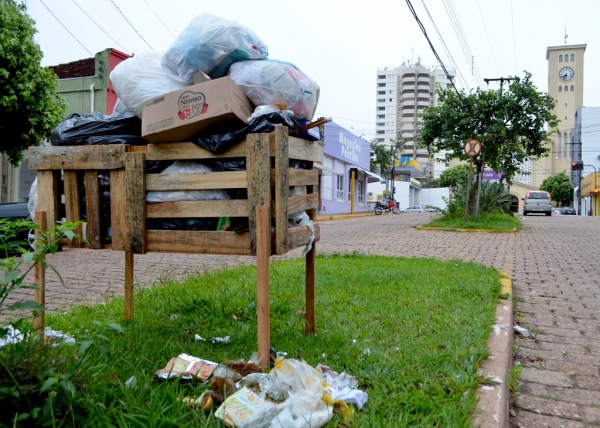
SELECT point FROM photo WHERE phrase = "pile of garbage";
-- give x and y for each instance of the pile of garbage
(212, 55)
(292, 394)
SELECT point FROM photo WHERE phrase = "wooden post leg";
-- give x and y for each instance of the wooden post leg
(128, 285)
(39, 276)
(309, 316)
(262, 285)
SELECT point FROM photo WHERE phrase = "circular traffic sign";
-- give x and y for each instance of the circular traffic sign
(472, 147)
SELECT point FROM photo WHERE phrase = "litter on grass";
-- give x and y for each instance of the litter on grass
(522, 331)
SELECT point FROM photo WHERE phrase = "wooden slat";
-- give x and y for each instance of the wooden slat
(47, 190)
(77, 157)
(278, 142)
(202, 181)
(39, 274)
(297, 204)
(259, 174)
(199, 242)
(302, 177)
(72, 204)
(263, 316)
(188, 150)
(93, 206)
(227, 208)
(304, 149)
(135, 186)
(299, 236)
(128, 291)
(118, 208)
(310, 189)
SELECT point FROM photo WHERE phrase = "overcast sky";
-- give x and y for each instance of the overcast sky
(341, 43)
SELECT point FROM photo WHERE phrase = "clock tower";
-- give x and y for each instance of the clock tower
(565, 85)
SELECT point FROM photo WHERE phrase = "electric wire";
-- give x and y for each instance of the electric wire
(102, 29)
(512, 18)
(420, 24)
(488, 37)
(63, 25)
(161, 21)
(450, 57)
(130, 24)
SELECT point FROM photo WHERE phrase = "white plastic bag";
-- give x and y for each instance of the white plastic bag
(270, 81)
(186, 167)
(120, 107)
(301, 218)
(211, 44)
(141, 78)
(32, 204)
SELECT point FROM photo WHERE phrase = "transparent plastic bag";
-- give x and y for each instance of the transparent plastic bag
(120, 107)
(271, 81)
(211, 44)
(141, 78)
(32, 204)
(186, 167)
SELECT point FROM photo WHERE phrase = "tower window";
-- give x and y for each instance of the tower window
(566, 88)
(572, 88)
(567, 58)
(560, 89)
(572, 57)
(560, 58)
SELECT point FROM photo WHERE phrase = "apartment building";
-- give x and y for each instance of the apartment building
(402, 93)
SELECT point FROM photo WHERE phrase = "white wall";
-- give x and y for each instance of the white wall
(431, 197)
(434, 196)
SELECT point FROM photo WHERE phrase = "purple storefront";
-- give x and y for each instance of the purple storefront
(342, 152)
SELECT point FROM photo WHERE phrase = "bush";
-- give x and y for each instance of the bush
(493, 199)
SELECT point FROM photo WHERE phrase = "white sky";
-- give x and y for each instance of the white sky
(341, 43)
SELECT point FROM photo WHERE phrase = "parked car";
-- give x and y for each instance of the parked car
(414, 209)
(537, 202)
(568, 211)
(556, 211)
(16, 211)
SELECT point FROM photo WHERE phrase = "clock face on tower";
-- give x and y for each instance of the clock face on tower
(566, 73)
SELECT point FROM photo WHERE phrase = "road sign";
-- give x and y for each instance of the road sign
(472, 147)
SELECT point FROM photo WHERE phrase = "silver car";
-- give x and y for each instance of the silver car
(414, 209)
(537, 202)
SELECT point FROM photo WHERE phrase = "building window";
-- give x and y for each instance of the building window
(565, 145)
(572, 88)
(560, 89)
(361, 192)
(559, 145)
(380, 108)
(380, 100)
(389, 131)
(380, 132)
(389, 123)
(380, 123)
(327, 179)
(380, 92)
(380, 116)
(567, 58)
(390, 116)
(560, 58)
(447, 164)
(572, 57)
(340, 187)
(390, 99)
(566, 88)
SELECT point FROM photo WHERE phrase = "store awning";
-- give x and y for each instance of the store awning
(326, 168)
(371, 177)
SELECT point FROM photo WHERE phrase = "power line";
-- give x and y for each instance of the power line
(92, 19)
(488, 37)
(130, 24)
(512, 18)
(412, 10)
(158, 17)
(63, 25)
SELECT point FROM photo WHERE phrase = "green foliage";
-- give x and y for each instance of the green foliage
(454, 177)
(413, 331)
(559, 187)
(492, 222)
(511, 126)
(382, 155)
(494, 198)
(29, 105)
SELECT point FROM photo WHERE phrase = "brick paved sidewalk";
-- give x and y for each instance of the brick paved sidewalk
(553, 263)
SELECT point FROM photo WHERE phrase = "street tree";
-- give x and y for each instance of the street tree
(29, 105)
(513, 126)
(559, 187)
(454, 177)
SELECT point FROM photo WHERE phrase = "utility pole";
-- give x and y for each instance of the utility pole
(480, 178)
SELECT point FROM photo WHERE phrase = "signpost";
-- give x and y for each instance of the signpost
(472, 148)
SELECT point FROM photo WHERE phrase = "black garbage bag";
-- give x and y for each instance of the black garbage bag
(219, 142)
(98, 128)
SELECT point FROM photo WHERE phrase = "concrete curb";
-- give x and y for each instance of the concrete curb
(493, 400)
(450, 229)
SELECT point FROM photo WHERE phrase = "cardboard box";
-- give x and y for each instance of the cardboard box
(200, 77)
(180, 115)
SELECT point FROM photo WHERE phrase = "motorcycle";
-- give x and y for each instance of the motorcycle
(392, 206)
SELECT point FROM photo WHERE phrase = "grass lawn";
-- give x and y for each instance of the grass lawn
(493, 222)
(412, 331)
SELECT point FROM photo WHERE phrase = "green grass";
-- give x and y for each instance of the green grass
(412, 331)
(497, 222)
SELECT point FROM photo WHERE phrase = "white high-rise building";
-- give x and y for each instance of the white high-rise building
(402, 94)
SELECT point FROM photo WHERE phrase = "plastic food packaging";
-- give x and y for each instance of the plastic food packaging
(218, 143)
(187, 367)
(269, 81)
(98, 128)
(211, 44)
(141, 78)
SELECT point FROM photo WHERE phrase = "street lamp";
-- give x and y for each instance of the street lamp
(595, 187)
